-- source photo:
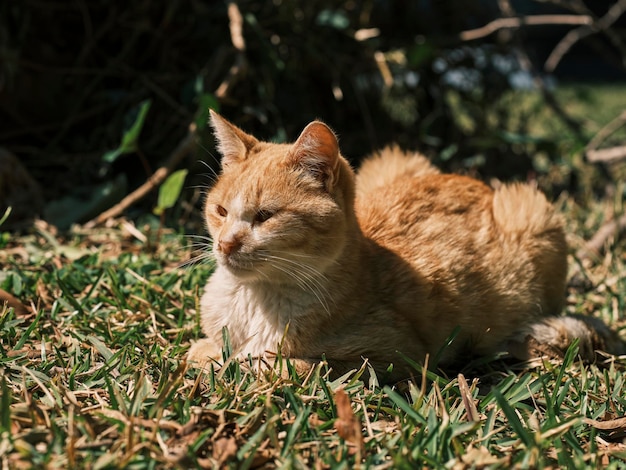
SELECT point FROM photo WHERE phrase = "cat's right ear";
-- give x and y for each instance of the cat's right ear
(233, 143)
(317, 151)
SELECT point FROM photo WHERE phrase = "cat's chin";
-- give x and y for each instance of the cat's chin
(247, 273)
(243, 272)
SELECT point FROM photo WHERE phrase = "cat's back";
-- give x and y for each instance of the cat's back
(383, 168)
(480, 250)
(451, 254)
(402, 199)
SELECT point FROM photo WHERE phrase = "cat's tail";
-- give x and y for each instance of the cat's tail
(521, 208)
(389, 164)
(532, 232)
(552, 336)
(529, 224)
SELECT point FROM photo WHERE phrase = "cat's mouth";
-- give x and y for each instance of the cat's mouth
(237, 264)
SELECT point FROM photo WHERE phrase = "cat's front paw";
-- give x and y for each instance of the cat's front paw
(204, 352)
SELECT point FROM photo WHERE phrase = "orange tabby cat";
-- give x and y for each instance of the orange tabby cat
(390, 262)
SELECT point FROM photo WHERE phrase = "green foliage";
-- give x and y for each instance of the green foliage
(130, 136)
(170, 191)
(5, 216)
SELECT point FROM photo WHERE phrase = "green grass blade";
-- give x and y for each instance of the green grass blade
(524, 434)
(404, 405)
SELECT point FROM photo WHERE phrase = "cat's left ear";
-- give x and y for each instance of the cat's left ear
(317, 151)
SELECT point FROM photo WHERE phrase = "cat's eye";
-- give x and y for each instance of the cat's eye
(262, 215)
(221, 211)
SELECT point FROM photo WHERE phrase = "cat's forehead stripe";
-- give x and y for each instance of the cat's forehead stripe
(237, 204)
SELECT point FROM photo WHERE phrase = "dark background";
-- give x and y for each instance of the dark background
(74, 72)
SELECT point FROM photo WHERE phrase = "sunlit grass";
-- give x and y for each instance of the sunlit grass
(95, 378)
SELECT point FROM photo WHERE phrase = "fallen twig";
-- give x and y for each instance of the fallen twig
(184, 147)
(609, 425)
(609, 154)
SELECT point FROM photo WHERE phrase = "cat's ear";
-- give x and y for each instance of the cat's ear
(232, 142)
(317, 151)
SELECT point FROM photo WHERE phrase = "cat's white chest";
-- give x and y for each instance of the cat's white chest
(256, 316)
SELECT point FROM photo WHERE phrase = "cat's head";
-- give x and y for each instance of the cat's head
(279, 212)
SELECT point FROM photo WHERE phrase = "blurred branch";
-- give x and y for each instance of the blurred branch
(236, 37)
(608, 154)
(526, 64)
(612, 228)
(236, 27)
(184, 147)
(518, 22)
(587, 29)
(383, 68)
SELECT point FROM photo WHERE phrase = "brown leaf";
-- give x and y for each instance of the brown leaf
(480, 457)
(21, 310)
(224, 448)
(347, 425)
(616, 428)
(610, 425)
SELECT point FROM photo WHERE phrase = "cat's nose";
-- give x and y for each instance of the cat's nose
(228, 246)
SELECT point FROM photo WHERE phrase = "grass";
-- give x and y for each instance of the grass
(95, 378)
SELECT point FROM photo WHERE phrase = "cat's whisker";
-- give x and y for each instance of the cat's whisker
(211, 155)
(202, 186)
(197, 260)
(310, 269)
(301, 279)
(213, 175)
(301, 268)
(262, 274)
(203, 253)
(299, 255)
(309, 275)
(199, 237)
(200, 248)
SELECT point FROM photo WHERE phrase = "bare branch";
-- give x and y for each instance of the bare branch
(236, 37)
(236, 27)
(606, 131)
(607, 155)
(524, 60)
(577, 34)
(518, 22)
